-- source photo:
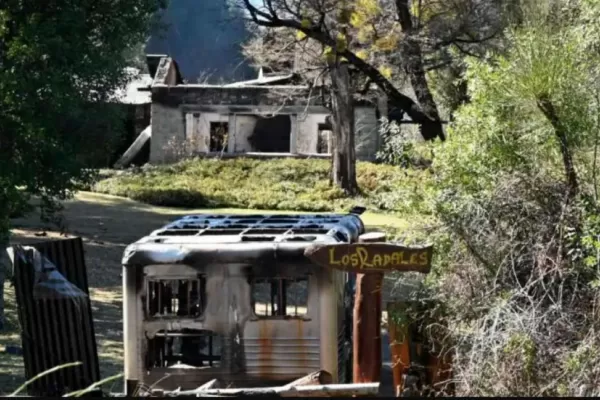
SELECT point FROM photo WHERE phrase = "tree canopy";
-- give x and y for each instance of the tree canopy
(57, 57)
(388, 42)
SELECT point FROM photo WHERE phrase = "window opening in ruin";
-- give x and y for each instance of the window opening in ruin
(218, 135)
(171, 298)
(324, 139)
(272, 134)
(193, 347)
(280, 297)
(191, 123)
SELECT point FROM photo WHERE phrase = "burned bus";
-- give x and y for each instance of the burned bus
(233, 298)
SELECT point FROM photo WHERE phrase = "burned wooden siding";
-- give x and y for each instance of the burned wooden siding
(56, 331)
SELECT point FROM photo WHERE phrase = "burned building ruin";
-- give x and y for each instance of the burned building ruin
(268, 115)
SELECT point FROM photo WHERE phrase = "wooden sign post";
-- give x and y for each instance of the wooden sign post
(369, 259)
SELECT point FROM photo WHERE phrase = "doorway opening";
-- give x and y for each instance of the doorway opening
(219, 132)
(324, 140)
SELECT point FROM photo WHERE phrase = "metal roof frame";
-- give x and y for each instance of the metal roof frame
(241, 238)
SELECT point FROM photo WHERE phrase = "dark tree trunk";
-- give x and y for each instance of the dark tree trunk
(413, 67)
(462, 98)
(343, 170)
(547, 108)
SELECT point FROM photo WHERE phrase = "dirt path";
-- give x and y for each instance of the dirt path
(107, 224)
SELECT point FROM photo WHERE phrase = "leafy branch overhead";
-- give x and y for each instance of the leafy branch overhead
(277, 14)
(385, 41)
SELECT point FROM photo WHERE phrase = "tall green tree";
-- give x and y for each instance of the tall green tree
(56, 58)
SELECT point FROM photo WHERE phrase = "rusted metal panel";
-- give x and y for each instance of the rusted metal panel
(270, 357)
(56, 331)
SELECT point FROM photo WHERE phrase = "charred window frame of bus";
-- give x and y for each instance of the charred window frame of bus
(175, 298)
(171, 297)
(280, 297)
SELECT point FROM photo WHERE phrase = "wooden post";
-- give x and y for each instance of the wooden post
(369, 259)
(367, 322)
(399, 343)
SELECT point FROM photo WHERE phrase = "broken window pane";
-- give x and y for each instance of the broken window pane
(297, 297)
(281, 297)
(175, 298)
(264, 298)
(324, 140)
(272, 134)
(193, 347)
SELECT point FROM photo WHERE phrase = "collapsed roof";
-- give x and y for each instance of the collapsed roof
(241, 238)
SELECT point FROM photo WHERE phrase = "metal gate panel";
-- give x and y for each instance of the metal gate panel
(57, 331)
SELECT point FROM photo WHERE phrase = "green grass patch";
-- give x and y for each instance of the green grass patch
(277, 184)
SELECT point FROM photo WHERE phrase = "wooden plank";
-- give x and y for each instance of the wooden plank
(135, 148)
(315, 378)
(367, 329)
(209, 385)
(371, 257)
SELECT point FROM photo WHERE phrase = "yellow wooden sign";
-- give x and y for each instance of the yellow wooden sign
(371, 257)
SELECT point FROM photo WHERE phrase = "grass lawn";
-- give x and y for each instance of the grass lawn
(107, 224)
(277, 184)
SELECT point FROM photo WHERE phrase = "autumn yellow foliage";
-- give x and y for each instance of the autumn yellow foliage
(424, 10)
(341, 42)
(388, 42)
(362, 54)
(385, 71)
(364, 12)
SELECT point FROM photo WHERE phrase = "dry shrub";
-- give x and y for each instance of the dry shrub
(520, 309)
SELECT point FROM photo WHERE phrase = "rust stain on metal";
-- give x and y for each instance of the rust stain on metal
(300, 336)
(266, 345)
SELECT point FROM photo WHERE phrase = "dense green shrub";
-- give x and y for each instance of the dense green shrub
(515, 277)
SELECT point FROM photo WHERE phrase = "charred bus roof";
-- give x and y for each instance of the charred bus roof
(231, 238)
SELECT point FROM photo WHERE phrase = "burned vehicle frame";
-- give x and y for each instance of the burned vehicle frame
(233, 297)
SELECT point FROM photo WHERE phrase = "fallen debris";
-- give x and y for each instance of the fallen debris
(331, 390)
